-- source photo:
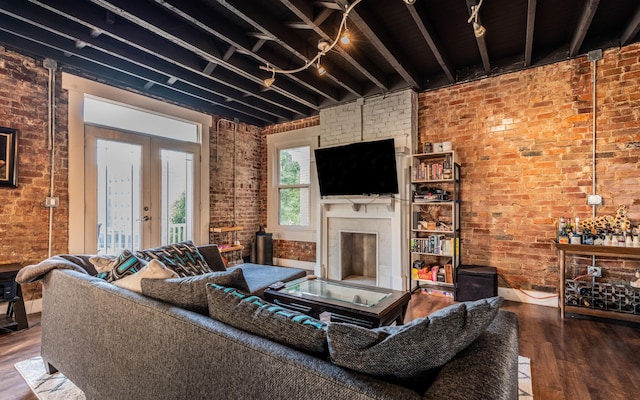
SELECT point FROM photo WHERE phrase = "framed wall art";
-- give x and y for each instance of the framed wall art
(8, 157)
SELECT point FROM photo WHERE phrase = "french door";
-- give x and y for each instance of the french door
(140, 191)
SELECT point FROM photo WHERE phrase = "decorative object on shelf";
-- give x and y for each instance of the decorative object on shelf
(608, 222)
(607, 230)
(8, 157)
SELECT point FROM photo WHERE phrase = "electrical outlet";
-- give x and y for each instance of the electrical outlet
(595, 271)
(594, 200)
(52, 202)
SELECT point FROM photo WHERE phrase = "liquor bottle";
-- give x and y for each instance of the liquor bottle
(560, 228)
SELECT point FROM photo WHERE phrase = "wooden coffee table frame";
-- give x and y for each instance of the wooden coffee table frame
(389, 310)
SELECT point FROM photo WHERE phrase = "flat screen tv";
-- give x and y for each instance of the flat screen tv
(363, 168)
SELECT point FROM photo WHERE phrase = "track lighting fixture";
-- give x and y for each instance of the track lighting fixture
(269, 81)
(324, 46)
(478, 29)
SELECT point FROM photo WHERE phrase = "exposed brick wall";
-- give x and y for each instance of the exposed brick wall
(379, 117)
(524, 141)
(24, 221)
(248, 175)
(287, 249)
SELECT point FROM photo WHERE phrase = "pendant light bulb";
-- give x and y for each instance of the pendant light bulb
(321, 70)
(346, 37)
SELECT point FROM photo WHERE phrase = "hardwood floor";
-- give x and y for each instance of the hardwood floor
(14, 347)
(571, 359)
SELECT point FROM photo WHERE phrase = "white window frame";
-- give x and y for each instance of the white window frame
(78, 88)
(275, 143)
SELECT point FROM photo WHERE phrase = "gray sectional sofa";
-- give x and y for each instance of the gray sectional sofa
(117, 344)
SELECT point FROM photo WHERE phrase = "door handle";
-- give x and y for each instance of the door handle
(146, 218)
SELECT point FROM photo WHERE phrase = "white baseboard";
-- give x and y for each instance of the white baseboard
(30, 306)
(531, 297)
(284, 262)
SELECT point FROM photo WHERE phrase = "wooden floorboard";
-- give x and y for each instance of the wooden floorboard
(574, 358)
(15, 347)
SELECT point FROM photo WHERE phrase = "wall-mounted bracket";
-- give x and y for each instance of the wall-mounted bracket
(392, 205)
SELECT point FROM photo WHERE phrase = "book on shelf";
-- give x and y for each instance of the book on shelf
(434, 244)
(432, 171)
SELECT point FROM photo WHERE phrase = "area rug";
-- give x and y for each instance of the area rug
(45, 386)
(58, 387)
(525, 391)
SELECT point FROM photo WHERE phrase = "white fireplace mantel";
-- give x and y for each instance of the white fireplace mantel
(380, 215)
(357, 202)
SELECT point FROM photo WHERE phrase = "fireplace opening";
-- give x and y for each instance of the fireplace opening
(359, 257)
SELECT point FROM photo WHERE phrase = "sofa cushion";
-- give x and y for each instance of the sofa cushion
(255, 315)
(184, 258)
(153, 270)
(126, 264)
(190, 292)
(407, 351)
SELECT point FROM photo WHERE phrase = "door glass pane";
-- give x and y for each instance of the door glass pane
(119, 196)
(177, 196)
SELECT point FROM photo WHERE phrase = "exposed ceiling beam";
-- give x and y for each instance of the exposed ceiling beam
(193, 40)
(168, 56)
(632, 29)
(302, 10)
(531, 22)
(18, 35)
(217, 27)
(327, 4)
(420, 19)
(143, 40)
(583, 26)
(383, 44)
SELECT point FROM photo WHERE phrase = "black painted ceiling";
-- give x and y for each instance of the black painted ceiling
(207, 54)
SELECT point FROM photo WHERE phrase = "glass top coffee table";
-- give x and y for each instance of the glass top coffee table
(357, 304)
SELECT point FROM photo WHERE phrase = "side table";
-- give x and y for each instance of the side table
(16, 316)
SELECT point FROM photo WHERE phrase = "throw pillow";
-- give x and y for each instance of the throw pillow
(257, 316)
(125, 264)
(103, 263)
(190, 292)
(154, 270)
(408, 351)
(184, 258)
